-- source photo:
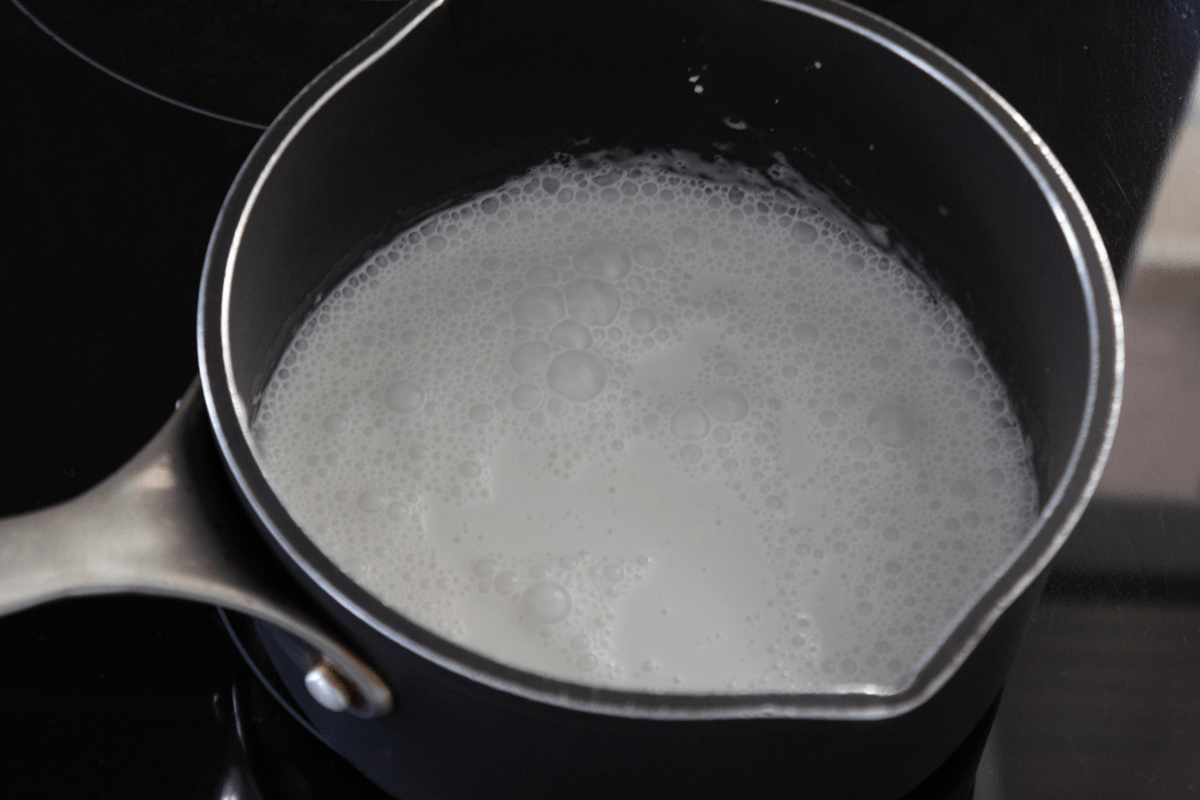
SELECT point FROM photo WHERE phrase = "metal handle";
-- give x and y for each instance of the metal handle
(168, 524)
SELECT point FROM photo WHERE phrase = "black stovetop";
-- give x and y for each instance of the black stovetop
(126, 122)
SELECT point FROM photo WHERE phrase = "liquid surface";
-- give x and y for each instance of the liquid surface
(625, 426)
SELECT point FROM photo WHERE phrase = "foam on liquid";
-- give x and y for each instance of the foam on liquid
(625, 426)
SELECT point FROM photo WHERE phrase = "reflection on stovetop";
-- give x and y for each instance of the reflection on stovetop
(112, 194)
(1103, 701)
(236, 60)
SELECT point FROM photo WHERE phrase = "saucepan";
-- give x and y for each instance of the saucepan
(452, 97)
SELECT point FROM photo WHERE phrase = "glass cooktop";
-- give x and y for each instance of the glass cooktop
(126, 124)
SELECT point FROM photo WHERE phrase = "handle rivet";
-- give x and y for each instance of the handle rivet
(328, 686)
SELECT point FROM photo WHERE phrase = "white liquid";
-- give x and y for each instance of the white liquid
(627, 427)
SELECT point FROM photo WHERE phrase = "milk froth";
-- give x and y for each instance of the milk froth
(622, 424)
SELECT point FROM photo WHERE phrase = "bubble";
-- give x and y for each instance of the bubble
(336, 423)
(804, 233)
(805, 333)
(530, 358)
(892, 424)
(577, 375)
(526, 397)
(691, 453)
(726, 404)
(480, 413)
(592, 301)
(689, 422)
(470, 469)
(485, 568)
(648, 255)
(538, 307)
(580, 642)
(879, 363)
(613, 572)
(961, 368)
(685, 236)
(404, 396)
(546, 602)
(963, 490)
(372, 501)
(604, 259)
(860, 447)
(397, 511)
(643, 320)
(571, 335)
(505, 582)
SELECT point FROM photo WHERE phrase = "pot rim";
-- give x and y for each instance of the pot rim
(230, 412)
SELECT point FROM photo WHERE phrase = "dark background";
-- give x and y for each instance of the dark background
(125, 123)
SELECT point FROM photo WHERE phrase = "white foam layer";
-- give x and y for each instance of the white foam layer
(626, 426)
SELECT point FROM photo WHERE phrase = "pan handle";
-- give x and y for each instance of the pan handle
(168, 524)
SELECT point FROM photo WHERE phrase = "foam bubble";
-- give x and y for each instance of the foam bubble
(546, 602)
(592, 301)
(404, 396)
(538, 307)
(577, 375)
(803, 232)
(893, 424)
(572, 335)
(526, 397)
(643, 320)
(961, 368)
(726, 404)
(690, 422)
(604, 259)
